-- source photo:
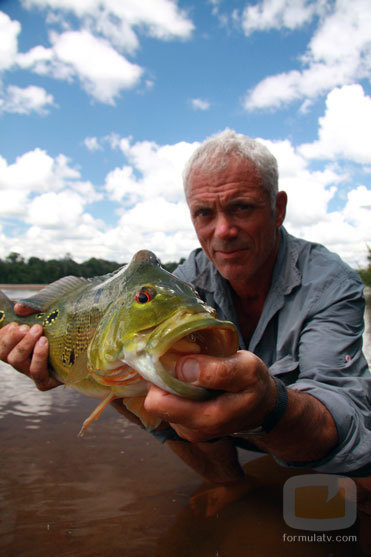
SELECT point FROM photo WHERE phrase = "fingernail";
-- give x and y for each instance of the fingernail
(24, 328)
(43, 341)
(35, 329)
(190, 370)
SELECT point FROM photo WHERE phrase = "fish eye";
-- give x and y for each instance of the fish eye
(143, 296)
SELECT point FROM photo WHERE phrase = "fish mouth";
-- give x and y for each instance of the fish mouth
(199, 333)
(180, 335)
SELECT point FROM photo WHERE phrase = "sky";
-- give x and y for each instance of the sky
(103, 101)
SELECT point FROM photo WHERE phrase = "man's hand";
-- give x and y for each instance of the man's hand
(26, 349)
(250, 394)
(306, 432)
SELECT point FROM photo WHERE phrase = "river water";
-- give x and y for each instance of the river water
(117, 491)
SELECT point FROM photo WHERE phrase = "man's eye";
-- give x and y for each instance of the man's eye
(203, 212)
(241, 208)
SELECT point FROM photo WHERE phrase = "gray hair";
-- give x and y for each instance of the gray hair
(215, 152)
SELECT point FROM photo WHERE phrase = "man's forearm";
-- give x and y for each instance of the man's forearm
(307, 431)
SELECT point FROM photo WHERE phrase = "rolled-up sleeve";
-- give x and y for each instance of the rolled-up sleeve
(333, 369)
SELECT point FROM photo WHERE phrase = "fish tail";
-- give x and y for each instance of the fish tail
(7, 314)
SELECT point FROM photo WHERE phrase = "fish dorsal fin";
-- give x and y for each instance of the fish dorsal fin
(42, 300)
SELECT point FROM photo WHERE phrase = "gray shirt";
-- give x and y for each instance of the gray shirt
(310, 335)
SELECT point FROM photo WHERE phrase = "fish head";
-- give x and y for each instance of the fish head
(156, 319)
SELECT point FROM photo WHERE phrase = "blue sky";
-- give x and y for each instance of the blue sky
(103, 101)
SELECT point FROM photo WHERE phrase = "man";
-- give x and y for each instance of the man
(299, 312)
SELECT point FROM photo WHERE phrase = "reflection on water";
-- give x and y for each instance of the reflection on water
(118, 491)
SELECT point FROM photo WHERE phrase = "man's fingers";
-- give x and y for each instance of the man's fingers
(10, 335)
(22, 310)
(39, 371)
(208, 415)
(235, 373)
(21, 352)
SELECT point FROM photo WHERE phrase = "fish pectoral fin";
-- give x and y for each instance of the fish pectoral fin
(79, 370)
(135, 404)
(96, 412)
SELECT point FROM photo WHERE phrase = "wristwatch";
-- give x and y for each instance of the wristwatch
(272, 419)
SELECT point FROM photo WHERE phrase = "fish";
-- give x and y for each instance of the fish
(110, 336)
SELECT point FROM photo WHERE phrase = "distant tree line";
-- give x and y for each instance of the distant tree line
(14, 269)
(365, 274)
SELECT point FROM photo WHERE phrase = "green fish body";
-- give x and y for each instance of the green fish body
(111, 335)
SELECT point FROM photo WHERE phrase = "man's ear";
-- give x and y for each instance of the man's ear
(281, 202)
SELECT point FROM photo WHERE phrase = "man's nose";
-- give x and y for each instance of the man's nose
(224, 227)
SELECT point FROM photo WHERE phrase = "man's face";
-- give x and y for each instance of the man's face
(233, 219)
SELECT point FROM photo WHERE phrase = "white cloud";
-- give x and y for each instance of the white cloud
(49, 196)
(9, 30)
(345, 231)
(345, 129)
(91, 53)
(26, 100)
(12, 203)
(102, 71)
(92, 144)
(153, 170)
(328, 61)
(275, 14)
(200, 104)
(116, 20)
(309, 192)
(36, 171)
(55, 210)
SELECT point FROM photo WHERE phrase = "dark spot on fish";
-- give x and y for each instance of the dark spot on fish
(2, 315)
(51, 317)
(72, 357)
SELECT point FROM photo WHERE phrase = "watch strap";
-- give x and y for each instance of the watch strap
(272, 419)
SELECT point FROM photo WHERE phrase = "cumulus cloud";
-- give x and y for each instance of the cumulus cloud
(92, 144)
(200, 104)
(36, 171)
(33, 179)
(48, 195)
(153, 170)
(275, 14)
(309, 192)
(25, 100)
(344, 230)
(102, 71)
(92, 52)
(9, 31)
(161, 19)
(345, 129)
(327, 63)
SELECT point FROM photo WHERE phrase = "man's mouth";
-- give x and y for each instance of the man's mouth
(230, 253)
